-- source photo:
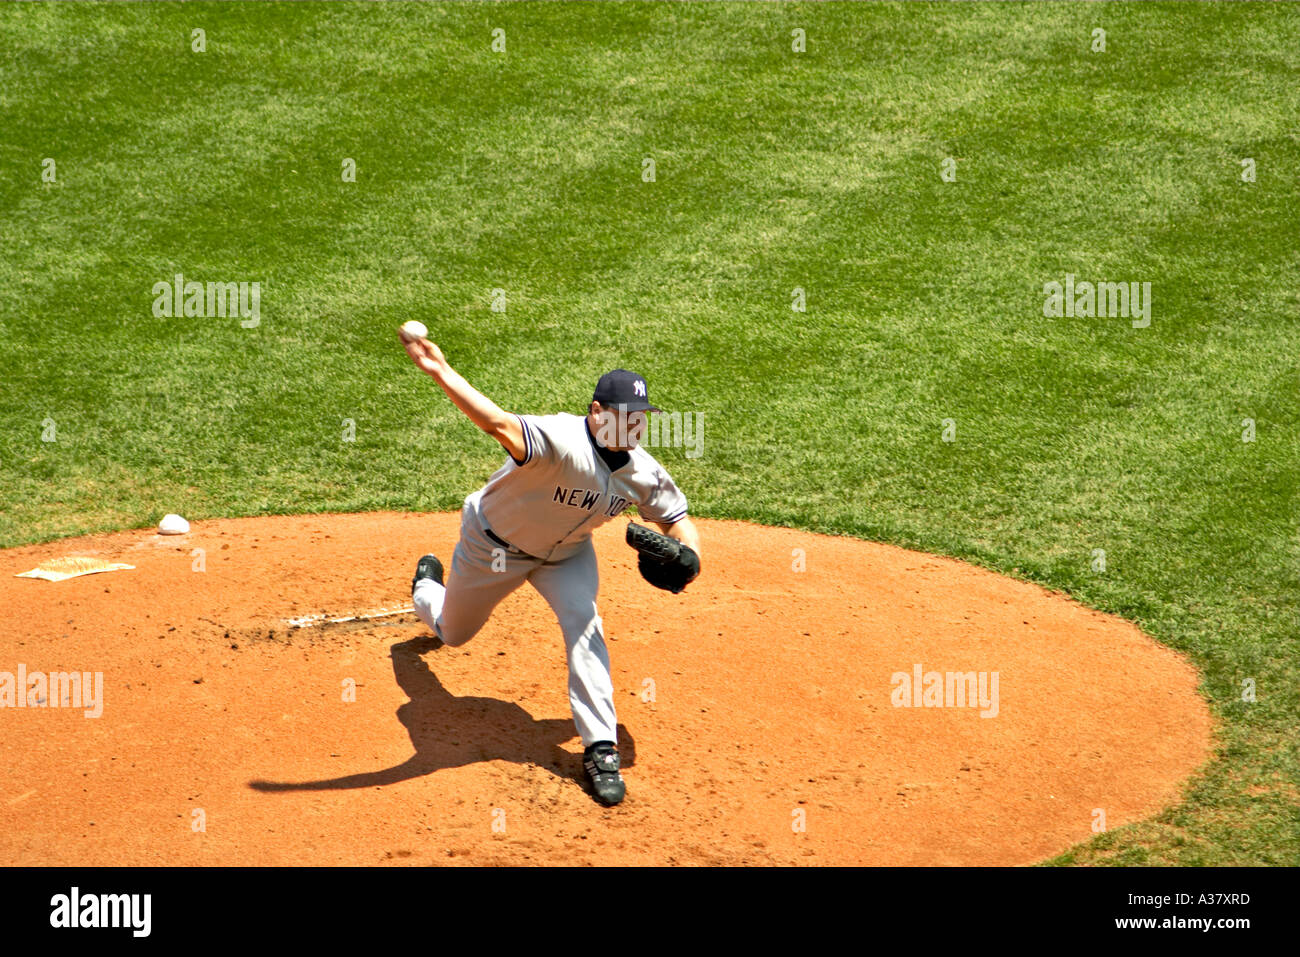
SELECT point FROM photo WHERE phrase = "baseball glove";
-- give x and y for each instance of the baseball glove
(664, 562)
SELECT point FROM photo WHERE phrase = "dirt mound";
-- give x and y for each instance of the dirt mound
(762, 714)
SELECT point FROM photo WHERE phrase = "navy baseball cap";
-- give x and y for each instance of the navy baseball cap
(625, 389)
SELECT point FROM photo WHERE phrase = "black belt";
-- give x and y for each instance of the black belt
(499, 540)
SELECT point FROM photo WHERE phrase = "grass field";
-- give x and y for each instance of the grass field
(523, 171)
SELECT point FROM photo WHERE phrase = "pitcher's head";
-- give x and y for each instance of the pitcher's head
(619, 410)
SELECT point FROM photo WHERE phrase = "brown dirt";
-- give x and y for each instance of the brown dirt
(772, 694)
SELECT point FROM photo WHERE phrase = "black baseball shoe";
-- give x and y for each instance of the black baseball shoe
(427, 567)
(600, 761)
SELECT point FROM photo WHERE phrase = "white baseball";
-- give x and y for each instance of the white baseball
(413, 329)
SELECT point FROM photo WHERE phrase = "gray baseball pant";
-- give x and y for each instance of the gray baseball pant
(483, 572)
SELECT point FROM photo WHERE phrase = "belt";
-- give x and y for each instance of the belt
(499, 540)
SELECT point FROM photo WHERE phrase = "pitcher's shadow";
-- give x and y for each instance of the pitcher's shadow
(449, 732)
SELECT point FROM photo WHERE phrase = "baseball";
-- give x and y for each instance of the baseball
(412, 330)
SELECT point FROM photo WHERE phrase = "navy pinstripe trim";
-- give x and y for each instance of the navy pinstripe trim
(675, 519)
(528, 442)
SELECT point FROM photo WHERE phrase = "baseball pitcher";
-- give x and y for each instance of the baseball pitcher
(565, 476)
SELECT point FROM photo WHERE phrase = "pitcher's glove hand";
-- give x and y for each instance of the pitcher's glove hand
(664, 562)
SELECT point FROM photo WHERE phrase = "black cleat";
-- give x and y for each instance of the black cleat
(600, 761)
(427, 567)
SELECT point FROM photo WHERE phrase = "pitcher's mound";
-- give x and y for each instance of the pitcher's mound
(766, 714)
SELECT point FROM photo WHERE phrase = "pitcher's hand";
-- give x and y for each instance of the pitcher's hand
(426, 356)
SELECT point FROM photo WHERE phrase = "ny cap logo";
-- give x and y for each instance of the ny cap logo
(639, 388)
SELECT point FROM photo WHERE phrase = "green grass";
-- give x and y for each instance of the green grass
(521, 171)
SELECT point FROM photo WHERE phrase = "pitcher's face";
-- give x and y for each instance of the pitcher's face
(615, 428)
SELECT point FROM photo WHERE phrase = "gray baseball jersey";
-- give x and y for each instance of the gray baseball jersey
(533, 522)
(562, 490)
